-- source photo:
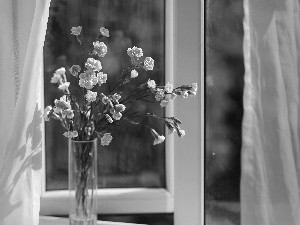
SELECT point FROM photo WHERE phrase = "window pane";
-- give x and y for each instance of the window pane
(224, 110)
(130, 160)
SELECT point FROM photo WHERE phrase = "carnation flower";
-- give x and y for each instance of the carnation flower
(93, 64)
(192, 93)
(151, 84)
(64, 86)
(71, 134)
(91, 96)
(181, 133)
(76, 30)
(120, 107)
(102, 78)
(148, 63)
(60, 71)
(184, 94)
(116, 97)
(105, 100)
(88, 79)
(56, 78)
(117, 115)
(157, 138)
(160, 94)
(74, 70)
(164, 103)
(194, 87)
(104, 32)
(69, 113)
(47, 111)
(62, 103)
(100, 49)
(106, 139)
(134, 74)
(135, 52)
(169, 88)
(88, 84)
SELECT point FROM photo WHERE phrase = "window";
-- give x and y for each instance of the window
(131, 161)
(182, 65)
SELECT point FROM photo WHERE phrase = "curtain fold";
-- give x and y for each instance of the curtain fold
(23, 29)
(270, 176)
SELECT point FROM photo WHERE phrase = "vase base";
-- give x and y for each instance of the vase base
(75, 220)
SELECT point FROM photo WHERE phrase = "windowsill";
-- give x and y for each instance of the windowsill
(49, 220)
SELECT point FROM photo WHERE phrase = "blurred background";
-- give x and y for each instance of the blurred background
(224, 73)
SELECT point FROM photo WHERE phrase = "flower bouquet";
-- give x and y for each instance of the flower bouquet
(89, 116)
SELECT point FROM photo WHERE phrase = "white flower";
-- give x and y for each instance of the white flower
(135, 52)
(120, 107)
(60, 71)
(169, 88)
(74, 70)
(106, 139)
(69, 113)
(88, 79)
(134, 74)
(105, 100)
(71, 134)
(104, 32)
(109, 118)
(93, 64)
(56, 78)
(192, 93)
(46, 112)
(64, 86)
(100, 49)
(184, 94)
(102, 78)
(91, 96)
(85, 83)
(88, 74)
(151, 84)
(194, 87)
(76, 30)
(148, 63)
(181, 133)
(62, 103)
(164, 103)
(157, 138)
(116, 97)
(117, 115)
(160, 94)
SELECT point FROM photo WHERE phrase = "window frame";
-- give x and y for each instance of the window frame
(184, 199)
(189, 151)
(127, 200)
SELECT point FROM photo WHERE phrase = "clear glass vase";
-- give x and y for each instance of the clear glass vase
(83, 182)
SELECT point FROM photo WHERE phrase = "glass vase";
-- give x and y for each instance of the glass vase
(83, 182)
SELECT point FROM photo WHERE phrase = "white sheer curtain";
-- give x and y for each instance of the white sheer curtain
(271, 155)
(23, 28)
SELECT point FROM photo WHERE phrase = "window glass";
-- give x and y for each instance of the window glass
(224, 72)
(131, 160)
